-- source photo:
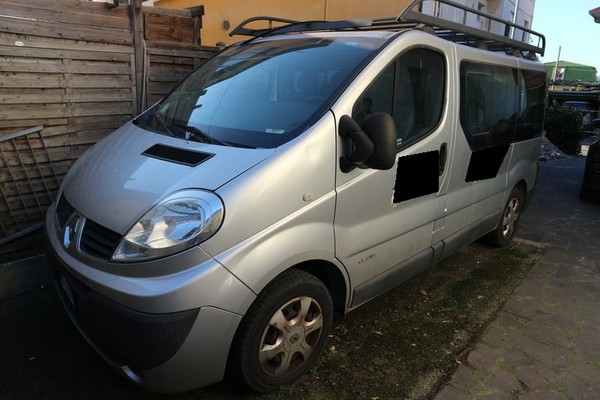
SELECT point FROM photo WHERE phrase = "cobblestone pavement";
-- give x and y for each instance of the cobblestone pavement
(545, 342)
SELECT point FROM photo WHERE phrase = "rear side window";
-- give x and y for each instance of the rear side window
(412, 91)
(500, 105)
(489, 104)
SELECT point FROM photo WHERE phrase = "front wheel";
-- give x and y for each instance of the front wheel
(503, 234)
(283, 332)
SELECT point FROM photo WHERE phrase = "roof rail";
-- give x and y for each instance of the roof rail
(241, 29)
(409, 19)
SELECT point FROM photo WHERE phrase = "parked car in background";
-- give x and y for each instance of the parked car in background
(595, 126)
(585, 108)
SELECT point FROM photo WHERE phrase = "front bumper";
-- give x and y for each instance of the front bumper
(152, 335)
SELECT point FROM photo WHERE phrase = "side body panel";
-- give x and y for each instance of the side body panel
(474, 205)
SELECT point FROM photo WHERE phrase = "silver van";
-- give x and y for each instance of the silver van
(288, 180)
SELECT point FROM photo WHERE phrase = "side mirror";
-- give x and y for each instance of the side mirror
(372, 146)
(359, 146)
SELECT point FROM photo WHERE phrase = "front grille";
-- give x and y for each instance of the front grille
(98, 241)
(63, 211)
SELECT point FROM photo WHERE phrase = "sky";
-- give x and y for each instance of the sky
(568, 24)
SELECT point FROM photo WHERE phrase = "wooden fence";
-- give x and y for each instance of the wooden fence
(79, 70)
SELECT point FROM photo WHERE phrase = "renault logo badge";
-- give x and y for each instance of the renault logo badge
(70, 232)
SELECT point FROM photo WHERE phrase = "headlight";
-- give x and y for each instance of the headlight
(181, 221)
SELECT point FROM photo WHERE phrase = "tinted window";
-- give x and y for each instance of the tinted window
(533, 95)
(412, 90)
(478, 103)
(489, 104)
(500, 104)
(262, 94)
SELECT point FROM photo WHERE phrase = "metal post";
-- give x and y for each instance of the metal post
(555, 68)
(137, 25)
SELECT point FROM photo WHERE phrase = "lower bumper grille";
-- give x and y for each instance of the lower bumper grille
(123, 336)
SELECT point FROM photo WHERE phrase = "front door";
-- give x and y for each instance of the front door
(385, 219)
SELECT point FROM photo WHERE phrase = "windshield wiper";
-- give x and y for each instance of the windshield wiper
(163, 124)
(195, 134)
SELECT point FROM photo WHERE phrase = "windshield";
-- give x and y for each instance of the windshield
(260, 94)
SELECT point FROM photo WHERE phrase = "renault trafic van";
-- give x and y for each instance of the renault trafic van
(288, 180)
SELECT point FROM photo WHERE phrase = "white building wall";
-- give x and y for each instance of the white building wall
(503, 9)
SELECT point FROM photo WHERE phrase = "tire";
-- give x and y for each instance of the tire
(503, 234)
(283, 332)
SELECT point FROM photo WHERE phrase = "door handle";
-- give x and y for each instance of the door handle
(443, 156)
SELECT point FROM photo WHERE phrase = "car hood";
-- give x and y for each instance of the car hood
(119, 179)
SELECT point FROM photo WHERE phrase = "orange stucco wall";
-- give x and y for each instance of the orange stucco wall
(217, 12)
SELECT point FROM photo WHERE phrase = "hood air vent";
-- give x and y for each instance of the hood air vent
(177, 155)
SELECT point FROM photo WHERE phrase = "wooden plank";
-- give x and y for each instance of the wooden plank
(173, 77)
(83, 137)
(48, 96)
(98, 95)
(167, 11)
(21, 111)
(14, 148)
(8, 65)
(91, 122)
(102, 67)
(26, 208)
(160, 89)
(65, 31)
(95, 81)
(36, 53)
(181, 50)
(66, 15)
(13, 39)
(30, 95)
(172, 61)
(21, 143)
(12, 80)
(11, 125)
(28, 170)
(60, 168)
(92, 109)
(78, 5)
(45, 3)
(66, 153)
(37, 177)
(36, 186)
(70, 153)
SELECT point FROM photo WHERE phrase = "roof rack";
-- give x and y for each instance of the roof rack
(410, 19)
(461, 33)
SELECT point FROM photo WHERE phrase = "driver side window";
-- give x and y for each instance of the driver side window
(412, 91)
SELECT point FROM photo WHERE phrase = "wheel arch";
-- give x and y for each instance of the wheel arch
(521, 185)
(333, 279)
